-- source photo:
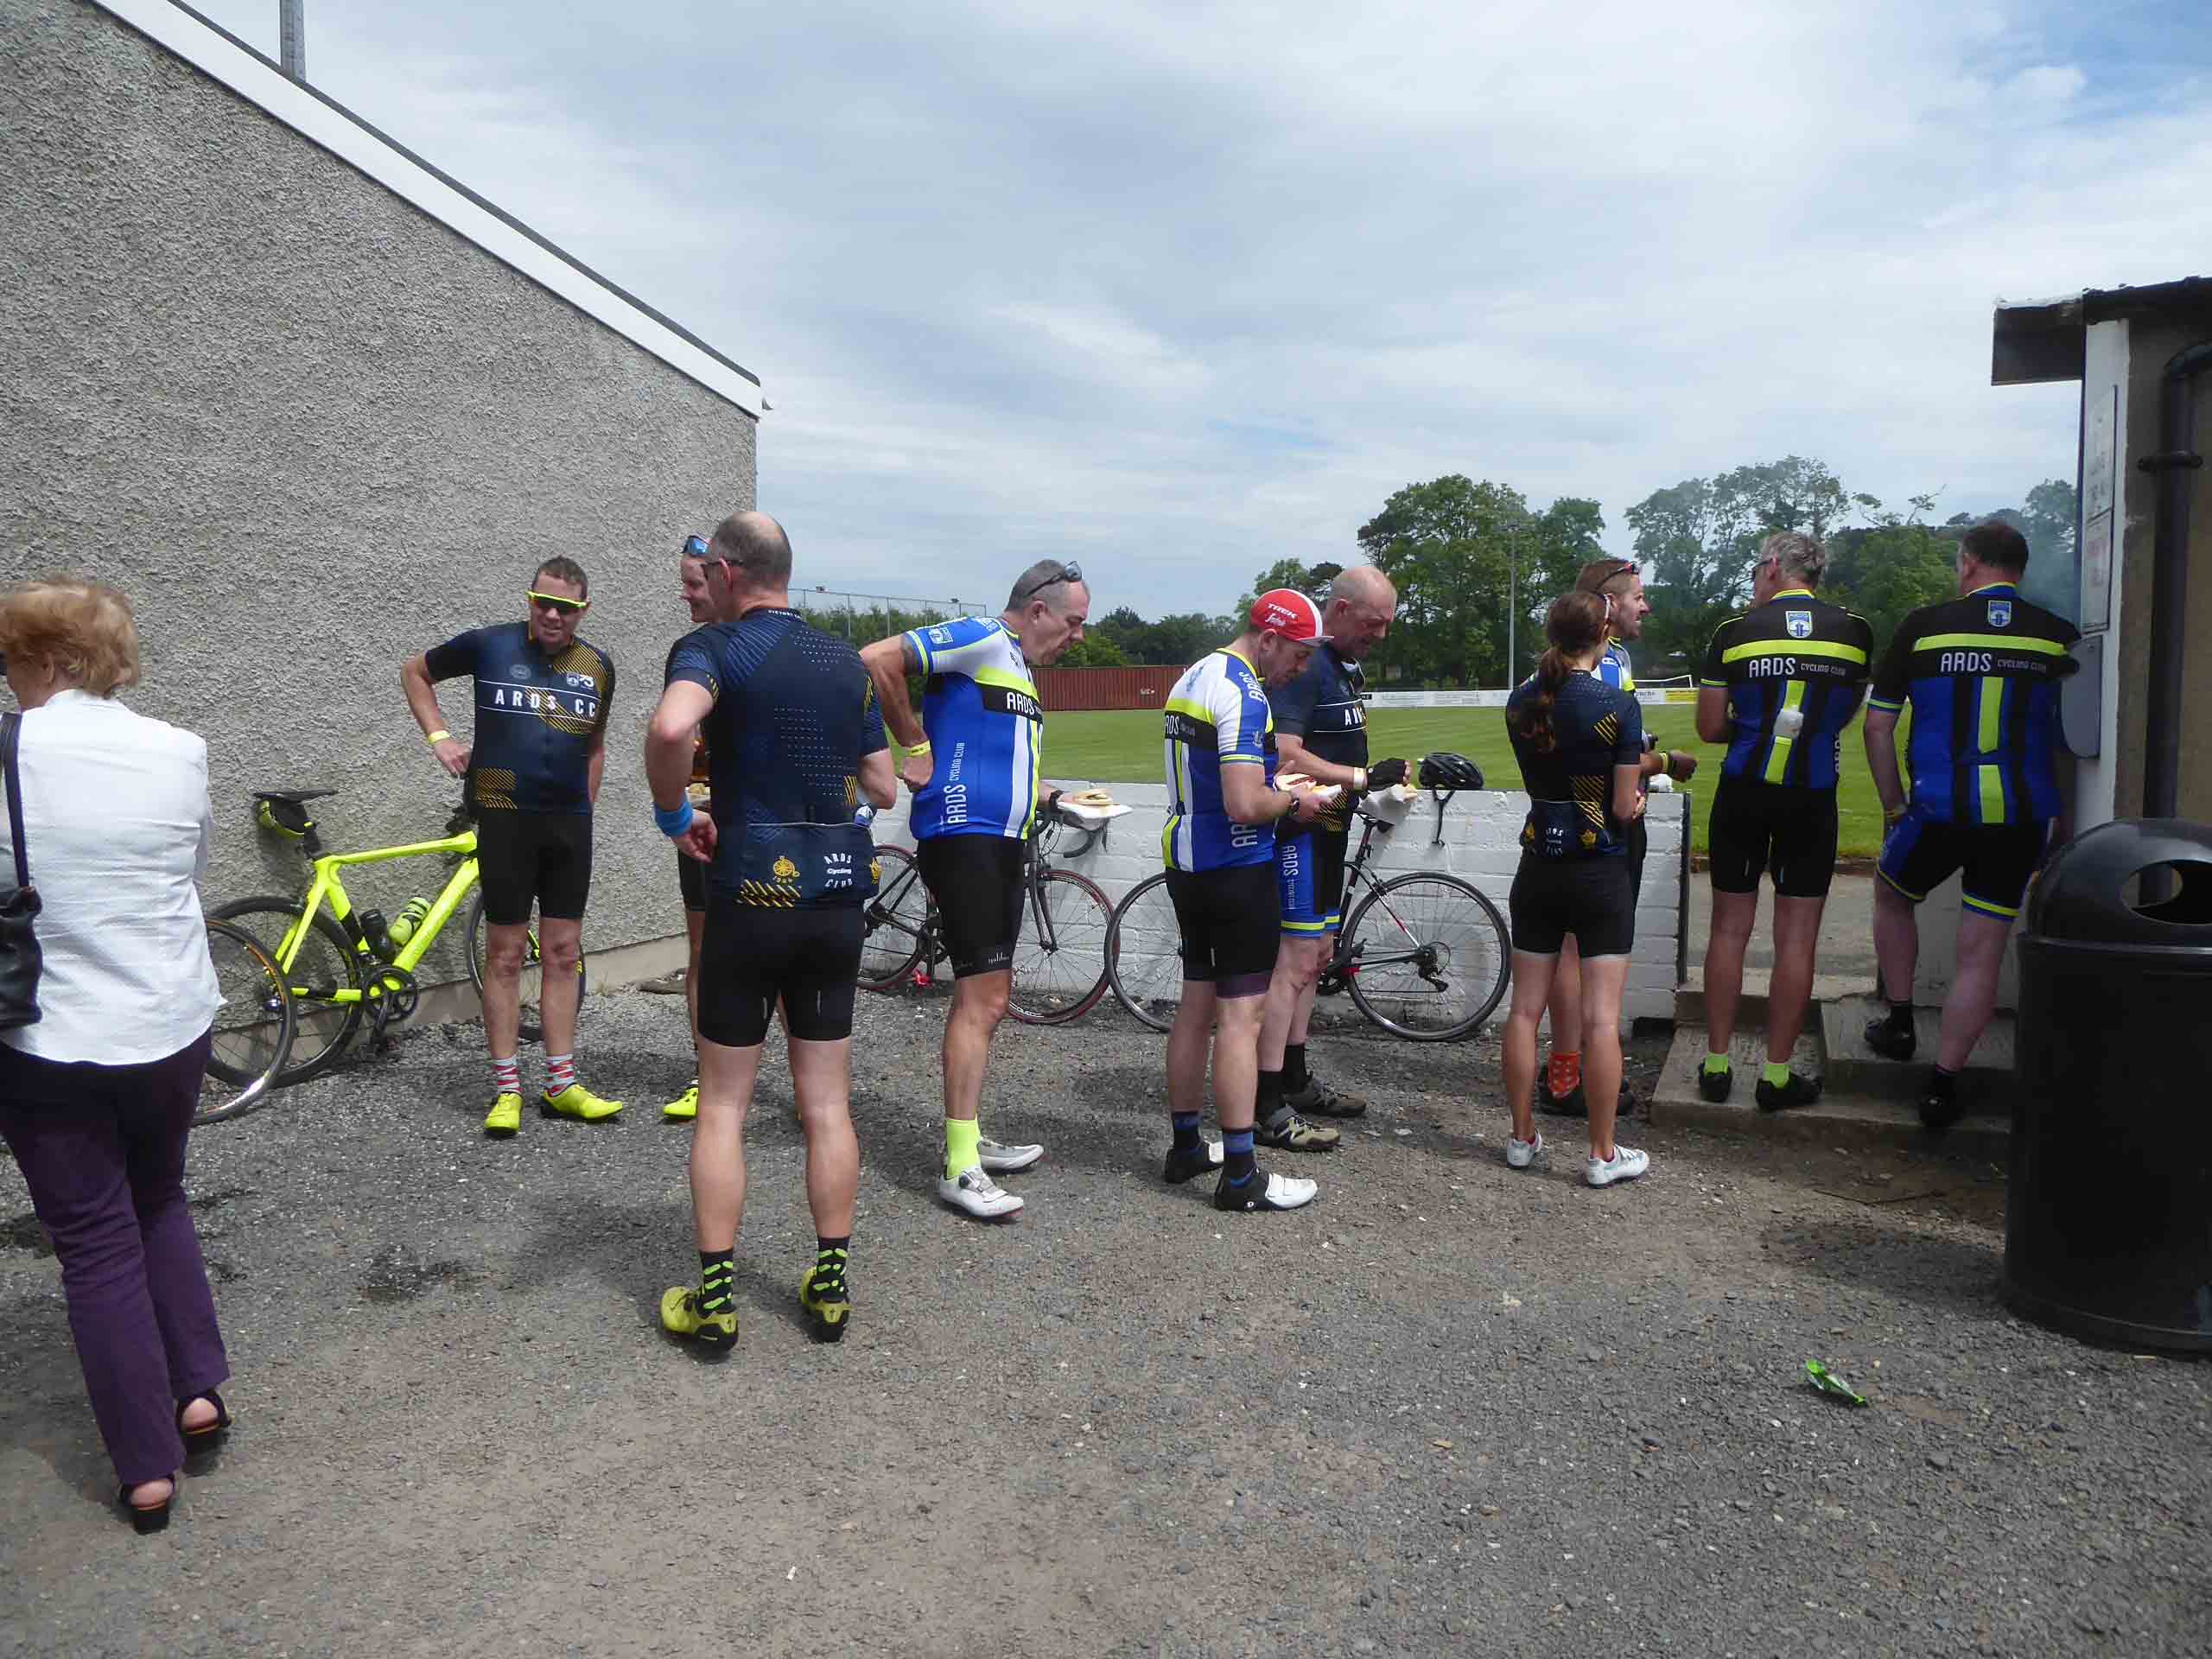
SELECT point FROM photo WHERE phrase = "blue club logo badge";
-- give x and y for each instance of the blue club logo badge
(1800, 624)
(2000, 612)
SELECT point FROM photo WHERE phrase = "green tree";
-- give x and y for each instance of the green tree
(1312, 580)
(1094, 650)
(1446, 545)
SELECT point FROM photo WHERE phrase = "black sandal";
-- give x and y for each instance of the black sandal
(206, 1438)
(146, 1517)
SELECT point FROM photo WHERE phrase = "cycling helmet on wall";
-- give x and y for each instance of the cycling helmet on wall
(1446, 771)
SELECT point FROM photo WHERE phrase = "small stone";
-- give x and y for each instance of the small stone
(1938, 1460)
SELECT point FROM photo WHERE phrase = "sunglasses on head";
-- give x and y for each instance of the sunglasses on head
(1067, 573)
(559, 604)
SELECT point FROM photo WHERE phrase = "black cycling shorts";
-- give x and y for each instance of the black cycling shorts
(1590, 897)
(1639, 843)
(980, 885)
(1231, 925)
(1919, 854)
(1759, 826)
(691, 881)
(544, 857)
(1310, 871)
(753, 956)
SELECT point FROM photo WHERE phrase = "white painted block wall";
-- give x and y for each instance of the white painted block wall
(1481, 843)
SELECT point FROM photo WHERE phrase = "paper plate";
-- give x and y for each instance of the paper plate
(1094, 814)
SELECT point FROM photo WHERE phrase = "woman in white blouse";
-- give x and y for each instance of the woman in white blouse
(96, 1096)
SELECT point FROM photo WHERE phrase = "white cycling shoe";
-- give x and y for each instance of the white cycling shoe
(998, 1159)
(978, 1195)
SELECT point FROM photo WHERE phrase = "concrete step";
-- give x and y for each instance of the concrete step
(1751, 1007)
(1853, 1068)
(1840, 1117)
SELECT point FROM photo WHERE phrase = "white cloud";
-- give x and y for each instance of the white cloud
(1186, 289)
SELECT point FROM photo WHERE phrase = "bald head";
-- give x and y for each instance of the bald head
(1361, 602)
(756, 548)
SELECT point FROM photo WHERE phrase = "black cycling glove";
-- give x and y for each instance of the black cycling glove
(1384, 775)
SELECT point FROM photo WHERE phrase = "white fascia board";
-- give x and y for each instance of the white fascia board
(261, 83)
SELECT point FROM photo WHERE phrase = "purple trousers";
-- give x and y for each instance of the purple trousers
(102, 1150)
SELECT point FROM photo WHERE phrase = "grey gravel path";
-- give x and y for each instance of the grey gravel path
(1449, 1409)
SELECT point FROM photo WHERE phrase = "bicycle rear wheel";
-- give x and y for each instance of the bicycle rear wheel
(531, 1024)
(323, 964)
(1432, 957)
(252, 1030)
(1144, 953)
(1059, 975)
(894, 923)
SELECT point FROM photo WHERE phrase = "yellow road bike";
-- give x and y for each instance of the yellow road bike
(344, 966)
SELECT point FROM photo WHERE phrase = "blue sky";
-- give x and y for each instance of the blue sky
(1178, 290)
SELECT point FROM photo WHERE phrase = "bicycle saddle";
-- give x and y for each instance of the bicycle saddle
(295, 797)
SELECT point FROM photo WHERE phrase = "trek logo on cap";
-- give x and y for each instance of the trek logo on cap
(1289, 613)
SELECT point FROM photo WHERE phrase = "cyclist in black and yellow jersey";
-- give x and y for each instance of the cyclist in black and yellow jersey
(1779, 684)
(533, 766)
(1990, 793)
(794, 741)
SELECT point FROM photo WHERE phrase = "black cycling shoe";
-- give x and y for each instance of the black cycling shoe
(1886, 1041)
(1573, 1104)
(1715, 1085)
(1187, 1164)
(1939, 1102)
(1781, 1096)
(1318, 1098)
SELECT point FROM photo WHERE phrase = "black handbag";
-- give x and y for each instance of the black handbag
(19, 905)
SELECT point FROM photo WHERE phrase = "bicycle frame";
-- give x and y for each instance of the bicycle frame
(329, 888)
(1347, 960)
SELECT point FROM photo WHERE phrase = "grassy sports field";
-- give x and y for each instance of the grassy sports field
(1124, 748)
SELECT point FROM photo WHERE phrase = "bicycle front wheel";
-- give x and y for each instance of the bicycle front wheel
(531, 1023)
(894, 923)
(253, 1029)
(323, 964)
(1144, 953)
(1429, 957)
(1059, 966)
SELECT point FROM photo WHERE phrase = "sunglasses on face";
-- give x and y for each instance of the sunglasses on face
(559, 604)
(1068, 573)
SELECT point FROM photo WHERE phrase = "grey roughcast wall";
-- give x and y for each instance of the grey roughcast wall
(310, 429)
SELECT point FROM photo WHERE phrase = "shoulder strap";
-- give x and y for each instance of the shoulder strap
(14, 727)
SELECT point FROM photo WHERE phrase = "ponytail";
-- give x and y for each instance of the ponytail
(1574, 624)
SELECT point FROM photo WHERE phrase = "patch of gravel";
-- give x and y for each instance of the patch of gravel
(1450, 1408)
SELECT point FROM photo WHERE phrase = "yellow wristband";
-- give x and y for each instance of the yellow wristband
(922, 748)
(437, 737)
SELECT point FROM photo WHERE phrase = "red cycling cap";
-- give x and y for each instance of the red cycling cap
(1290, 614)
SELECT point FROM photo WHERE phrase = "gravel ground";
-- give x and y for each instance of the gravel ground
(1450, 1408)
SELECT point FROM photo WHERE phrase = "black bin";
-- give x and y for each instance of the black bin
(2109, 1219)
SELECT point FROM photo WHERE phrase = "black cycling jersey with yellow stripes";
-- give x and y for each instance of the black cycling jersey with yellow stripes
(538, 717)
(1795, 668)
(1981, 672)
(1595, 728)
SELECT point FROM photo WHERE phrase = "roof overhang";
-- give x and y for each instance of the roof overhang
(2038, 340)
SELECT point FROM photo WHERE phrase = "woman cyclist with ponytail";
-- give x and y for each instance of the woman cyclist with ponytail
(1579, 743)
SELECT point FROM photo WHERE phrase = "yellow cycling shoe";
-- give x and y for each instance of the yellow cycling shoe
(577, 1101)
(685, 1105)
(824, 1299)
(680, 1316)
(505, 1116)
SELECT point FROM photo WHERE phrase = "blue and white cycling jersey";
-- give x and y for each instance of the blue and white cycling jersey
(1217, 716)
(986, 727)
(1613, 667)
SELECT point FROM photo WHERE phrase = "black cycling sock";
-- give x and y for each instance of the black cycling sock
(1186, 1130)
(1295, 1076)
(1941, 1083)
(830, 1254)
(1901, 1016)
(717, 1273)
(1236, 1160)
(1270, 1097)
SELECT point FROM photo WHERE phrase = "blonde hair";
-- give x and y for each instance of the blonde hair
(84, 627)
(1800, 554)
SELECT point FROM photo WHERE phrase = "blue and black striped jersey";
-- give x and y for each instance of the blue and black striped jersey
(1981, 672)
(1324, 708)
(1795, 668)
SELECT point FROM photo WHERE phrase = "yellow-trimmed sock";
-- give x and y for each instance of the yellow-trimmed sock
(963, 1150)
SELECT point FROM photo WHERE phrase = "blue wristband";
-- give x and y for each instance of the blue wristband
(673, 820)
